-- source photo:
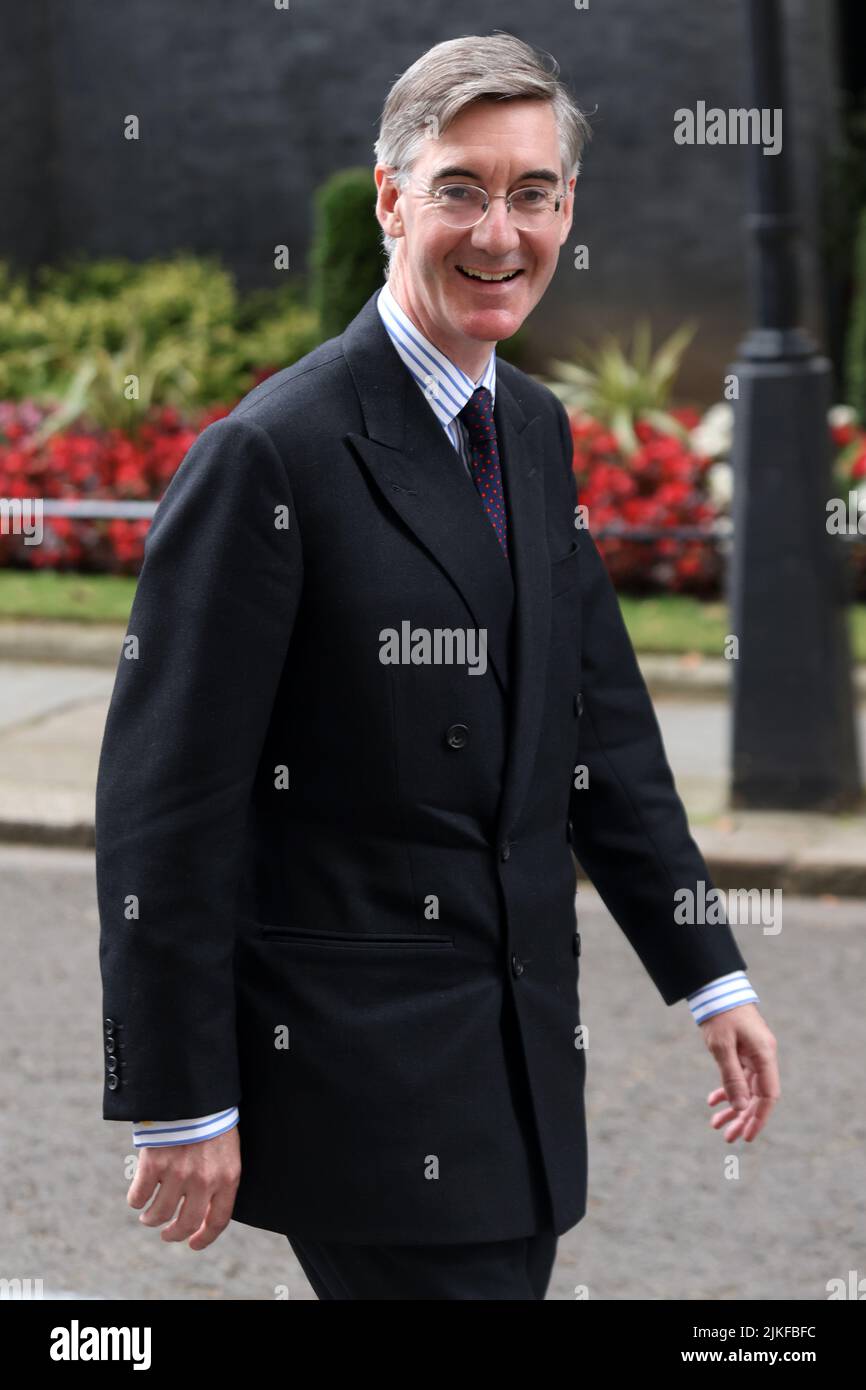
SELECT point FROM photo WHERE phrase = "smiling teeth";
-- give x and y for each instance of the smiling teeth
(482, 275)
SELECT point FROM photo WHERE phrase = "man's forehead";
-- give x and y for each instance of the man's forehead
(447, 158)
(491, 129)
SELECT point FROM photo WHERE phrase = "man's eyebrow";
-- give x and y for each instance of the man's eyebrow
(457, 171)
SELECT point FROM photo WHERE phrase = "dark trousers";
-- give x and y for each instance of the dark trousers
(498, 1269)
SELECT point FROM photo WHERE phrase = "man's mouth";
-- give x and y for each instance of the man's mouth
(488, 276)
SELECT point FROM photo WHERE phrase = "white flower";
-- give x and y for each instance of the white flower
(713, 435)
(720, 481)
(841, 415)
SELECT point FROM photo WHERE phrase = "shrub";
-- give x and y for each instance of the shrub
(77, 334)
(855, 348)
(619, 390)
(346, 258)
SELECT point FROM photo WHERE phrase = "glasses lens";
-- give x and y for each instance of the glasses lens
(532, 207)
(459, 205)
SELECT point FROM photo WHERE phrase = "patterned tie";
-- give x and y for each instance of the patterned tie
(477, 416)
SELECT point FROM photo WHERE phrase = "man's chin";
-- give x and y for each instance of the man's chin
(488, 324)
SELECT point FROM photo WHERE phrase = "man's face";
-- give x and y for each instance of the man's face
(500, 146)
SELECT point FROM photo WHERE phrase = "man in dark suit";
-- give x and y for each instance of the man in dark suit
(375, 688)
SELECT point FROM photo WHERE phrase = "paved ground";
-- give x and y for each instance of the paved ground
(664, 1220)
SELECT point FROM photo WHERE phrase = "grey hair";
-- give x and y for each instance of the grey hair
(450, 76)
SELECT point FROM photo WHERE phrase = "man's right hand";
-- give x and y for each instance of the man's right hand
(205, 1175)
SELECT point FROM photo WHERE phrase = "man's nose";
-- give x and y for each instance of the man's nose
(496, 233)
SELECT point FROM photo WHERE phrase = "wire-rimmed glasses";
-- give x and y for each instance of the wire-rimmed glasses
(463, 205)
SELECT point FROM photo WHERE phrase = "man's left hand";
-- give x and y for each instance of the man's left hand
(745, 1051)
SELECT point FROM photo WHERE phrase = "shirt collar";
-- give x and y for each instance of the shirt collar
(445, 386)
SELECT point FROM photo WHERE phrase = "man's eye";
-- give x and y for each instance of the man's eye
(531, 195)
(455, 194)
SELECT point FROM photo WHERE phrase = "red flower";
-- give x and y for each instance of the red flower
(660, 486)
(843, 434)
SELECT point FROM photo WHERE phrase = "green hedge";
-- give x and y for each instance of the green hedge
(76, 332)
(346, 258)
(855, 351)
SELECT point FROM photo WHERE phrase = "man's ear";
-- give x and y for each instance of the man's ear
(389, 220)
(568, 210)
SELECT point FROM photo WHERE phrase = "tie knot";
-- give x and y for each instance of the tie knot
(477, 414)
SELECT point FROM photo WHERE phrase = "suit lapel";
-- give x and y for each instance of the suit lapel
(421, 476)
(520, 456)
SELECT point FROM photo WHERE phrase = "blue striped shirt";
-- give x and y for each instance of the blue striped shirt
(446, 388)
(444, 385)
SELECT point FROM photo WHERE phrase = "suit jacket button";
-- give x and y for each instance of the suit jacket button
(110, 1045)
(517, 966)
(456, 735)
(578, 703)
(109, 1025)
(504, 849)
(576, 943)
(112, 1081)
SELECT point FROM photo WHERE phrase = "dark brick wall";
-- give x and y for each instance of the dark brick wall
(244, 108)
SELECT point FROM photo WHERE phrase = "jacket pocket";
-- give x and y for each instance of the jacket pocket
(565, 570)
(411, 941)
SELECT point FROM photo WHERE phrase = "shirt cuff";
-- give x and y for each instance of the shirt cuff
(726, 992)
(153, 1134)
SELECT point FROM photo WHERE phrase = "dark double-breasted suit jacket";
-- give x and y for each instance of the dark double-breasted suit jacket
(339, 892)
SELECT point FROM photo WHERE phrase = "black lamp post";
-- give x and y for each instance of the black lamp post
(794, 741)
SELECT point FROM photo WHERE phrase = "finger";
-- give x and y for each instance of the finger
(218, 1217)
(767, 1090)
(767, 1082)
(191, 1214)
(754, 1127)
(729, 1115)
(734, 1079)
(762, 1114)
(734, 1119)
(722, 1117)
(719, 1093)
(737, 1125)
(144, 1183)
(164, 1204)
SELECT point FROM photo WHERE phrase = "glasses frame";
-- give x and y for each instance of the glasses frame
(434, 193)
